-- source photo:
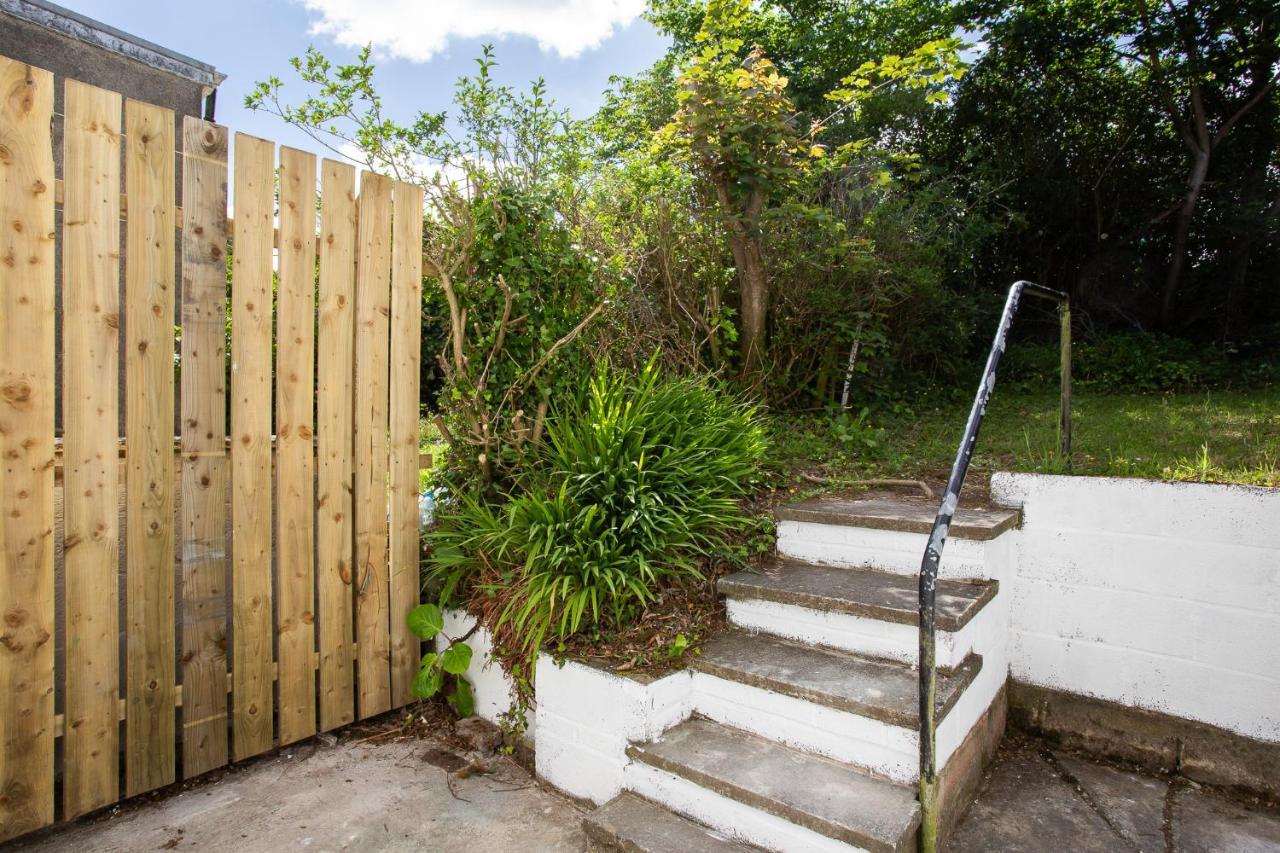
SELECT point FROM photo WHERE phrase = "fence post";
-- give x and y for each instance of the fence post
(1064, 428)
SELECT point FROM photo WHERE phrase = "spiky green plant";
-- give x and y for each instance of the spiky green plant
(639, 480)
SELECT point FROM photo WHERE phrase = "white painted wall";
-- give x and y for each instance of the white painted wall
(494, 691)
(887, 550)
(1164, 596)
(586, 717)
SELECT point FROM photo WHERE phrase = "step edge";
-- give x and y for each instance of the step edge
(598, 833)
(957, 530)
(967, 670)
(988, 590)
(791, 814)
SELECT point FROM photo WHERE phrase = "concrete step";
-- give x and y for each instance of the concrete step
(634, 825)
(878, 689)
(902, 514)
(857, 710)
(886, 596)
(763, 792)
(861, 610)
(891, 535)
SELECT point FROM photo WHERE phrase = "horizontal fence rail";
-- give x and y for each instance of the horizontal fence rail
(173, 603)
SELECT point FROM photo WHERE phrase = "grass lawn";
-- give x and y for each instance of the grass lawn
(1227, 436)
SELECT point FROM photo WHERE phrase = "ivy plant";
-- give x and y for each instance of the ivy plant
(441, 671)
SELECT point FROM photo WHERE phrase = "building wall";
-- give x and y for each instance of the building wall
(66, 57)
(1162, 596)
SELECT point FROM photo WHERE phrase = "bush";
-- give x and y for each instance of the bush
(528, 286)
(638, 481)
(1133, 363)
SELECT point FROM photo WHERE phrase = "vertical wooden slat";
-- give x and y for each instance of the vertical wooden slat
(149, 479)
(90, 422)
(204, 462)
(26, 448)
(334, 545)
(295, 470)
(251, 663)
(406, 335)
(373, 274)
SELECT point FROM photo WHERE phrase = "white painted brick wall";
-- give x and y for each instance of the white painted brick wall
(586, 717)
(727, 816)
(1163, 596)
(888, 550)
(883, 748)
(493, 689)
(861, 635)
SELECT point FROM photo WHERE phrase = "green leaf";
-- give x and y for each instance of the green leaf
(456, 658)
(425, 621)
(462, 699)
(428, 681)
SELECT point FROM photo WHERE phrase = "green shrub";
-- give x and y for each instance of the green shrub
(1131, 363)
(638, 481)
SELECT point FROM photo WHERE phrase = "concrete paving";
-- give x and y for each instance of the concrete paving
(420, 795)
(1038, 798)
(411, 795)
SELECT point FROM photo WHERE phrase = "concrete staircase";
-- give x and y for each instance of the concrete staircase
(804, 727)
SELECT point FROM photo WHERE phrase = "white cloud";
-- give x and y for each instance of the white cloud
(419, 29)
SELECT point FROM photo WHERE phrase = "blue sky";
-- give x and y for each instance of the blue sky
(423, 45)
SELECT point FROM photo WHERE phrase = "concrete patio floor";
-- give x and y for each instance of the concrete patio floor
(414, 794)
(1039, 798)
(411, 794)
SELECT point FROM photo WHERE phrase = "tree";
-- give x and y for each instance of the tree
(1210, 64)
(500, 185)
(1127, 148)
(737, 127)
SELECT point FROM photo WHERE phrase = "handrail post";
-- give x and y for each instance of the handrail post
(938, 539)
(1064, 426)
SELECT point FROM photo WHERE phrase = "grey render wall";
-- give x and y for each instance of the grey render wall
(71, 57)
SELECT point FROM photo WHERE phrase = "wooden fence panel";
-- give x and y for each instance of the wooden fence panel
(334, 533)
(406, 346)
(295, 469)
(90, 412)
(252, 659)
(373, 275)
(333, 442)
(150, 688)
(204, 456)
(26, 448)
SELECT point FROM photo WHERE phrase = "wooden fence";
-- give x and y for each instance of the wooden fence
(285, 621)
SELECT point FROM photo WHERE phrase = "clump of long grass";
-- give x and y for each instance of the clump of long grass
(639, 480)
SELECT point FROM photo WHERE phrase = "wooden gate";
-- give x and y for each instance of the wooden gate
(170, 605)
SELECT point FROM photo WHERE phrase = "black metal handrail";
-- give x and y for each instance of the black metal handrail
(941, 523)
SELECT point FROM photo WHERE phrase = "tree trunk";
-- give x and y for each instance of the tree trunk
(755, 306)
(753, 283)
(1181, 230)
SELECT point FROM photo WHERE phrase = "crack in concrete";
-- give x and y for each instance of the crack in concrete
(1169, 822)
(1085, 797)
